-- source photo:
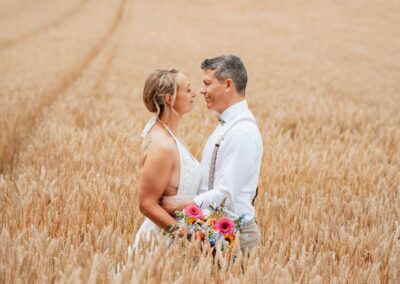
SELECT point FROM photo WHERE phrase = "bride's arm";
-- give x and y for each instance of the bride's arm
(171, 205)
(155, 175)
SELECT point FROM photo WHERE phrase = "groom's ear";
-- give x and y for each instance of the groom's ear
(229, 84)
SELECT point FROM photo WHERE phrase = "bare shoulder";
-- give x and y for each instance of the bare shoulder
(160, 145)
(165, 146)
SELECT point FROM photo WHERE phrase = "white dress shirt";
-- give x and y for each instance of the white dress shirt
(237, 167)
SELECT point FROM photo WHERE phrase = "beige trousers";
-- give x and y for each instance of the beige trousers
(249, 236)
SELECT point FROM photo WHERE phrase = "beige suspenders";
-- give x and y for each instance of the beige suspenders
(216, 148)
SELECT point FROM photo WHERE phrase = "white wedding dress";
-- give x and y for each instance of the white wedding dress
(189, 182)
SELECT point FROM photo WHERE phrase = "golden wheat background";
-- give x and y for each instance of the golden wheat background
(324, 85)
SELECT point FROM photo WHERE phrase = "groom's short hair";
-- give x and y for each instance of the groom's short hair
(228, 67)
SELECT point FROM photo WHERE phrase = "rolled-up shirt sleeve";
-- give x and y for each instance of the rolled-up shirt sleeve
(237, 156)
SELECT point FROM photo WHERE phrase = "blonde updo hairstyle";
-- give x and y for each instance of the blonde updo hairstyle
(158, 84)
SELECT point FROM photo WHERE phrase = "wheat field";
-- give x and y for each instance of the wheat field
(324, 85)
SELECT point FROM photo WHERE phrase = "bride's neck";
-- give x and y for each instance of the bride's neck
(172, 122)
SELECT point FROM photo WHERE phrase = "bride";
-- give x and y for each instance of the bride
(168, 168)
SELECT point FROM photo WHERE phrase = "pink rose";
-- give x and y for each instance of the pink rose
(225, 226)
(192, 211)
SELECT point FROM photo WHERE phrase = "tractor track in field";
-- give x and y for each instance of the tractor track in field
(6, 43)
(105, 70)
(34, 118)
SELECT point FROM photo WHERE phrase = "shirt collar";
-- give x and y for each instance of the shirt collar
(233, 110)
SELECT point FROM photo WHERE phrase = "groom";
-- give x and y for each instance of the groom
(232, 156)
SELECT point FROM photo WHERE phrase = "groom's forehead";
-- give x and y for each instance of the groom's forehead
(208, 74)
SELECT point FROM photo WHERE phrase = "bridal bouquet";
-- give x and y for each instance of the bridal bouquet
(213, 225)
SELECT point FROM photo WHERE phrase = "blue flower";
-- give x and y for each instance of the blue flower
(243, 221)
(211, 240)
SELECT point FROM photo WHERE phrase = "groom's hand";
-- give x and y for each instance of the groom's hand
(168, 204)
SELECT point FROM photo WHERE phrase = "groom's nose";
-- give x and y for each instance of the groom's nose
(203, 91)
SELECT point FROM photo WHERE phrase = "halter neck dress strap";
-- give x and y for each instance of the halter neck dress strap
(170, 131)
(149, 125)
